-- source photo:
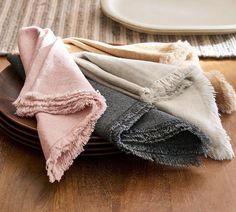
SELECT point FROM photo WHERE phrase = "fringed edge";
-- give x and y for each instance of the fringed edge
(33, 102)
(220, 149)
(169, 129)
(169, 86)
(228, 95)
(170, 154)
(179, 53)
(64, 151)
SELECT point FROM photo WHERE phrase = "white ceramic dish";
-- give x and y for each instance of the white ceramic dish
(174, 16)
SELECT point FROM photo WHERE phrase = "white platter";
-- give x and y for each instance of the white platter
(174, 16)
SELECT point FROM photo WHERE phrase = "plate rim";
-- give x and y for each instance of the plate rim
(83, 154)
(38, 147)
(162, 29)
(28, 138)
(16, 127)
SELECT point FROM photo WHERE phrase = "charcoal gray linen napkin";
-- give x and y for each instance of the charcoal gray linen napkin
(141, 129)
(17, 65)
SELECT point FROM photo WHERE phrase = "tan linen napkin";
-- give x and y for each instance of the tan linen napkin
(177, 53)
(55, 91)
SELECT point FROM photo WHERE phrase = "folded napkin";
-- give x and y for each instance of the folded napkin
(65, 104)
(143, 130)
(177, 53)
(182, 91)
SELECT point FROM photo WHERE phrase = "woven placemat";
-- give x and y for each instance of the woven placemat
(83, 18)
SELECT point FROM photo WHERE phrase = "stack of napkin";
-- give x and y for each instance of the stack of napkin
(161, 105)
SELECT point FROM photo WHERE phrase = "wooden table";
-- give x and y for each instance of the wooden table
(119, 183)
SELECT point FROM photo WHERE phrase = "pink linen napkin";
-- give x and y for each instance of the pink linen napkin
(65, 104)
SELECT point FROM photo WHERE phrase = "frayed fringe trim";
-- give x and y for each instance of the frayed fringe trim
(169, 86)
(168, 153)
(32, 103)
(223, 151)
(221, 148)
(167, 130)
(136, 142)
(178, 53)
(164, 89)
(225, 96)
(68, 148)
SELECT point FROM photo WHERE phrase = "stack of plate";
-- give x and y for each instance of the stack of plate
(23, 130)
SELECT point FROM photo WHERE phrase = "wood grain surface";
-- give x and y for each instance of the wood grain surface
(119, 183)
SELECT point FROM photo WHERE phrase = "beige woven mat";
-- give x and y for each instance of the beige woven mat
(83, 18)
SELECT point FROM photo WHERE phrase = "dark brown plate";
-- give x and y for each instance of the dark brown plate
(17, 128)
(18, 140)
(36, 142)
(21, 136)
(85, 153)
(37, 146)
(23, 131)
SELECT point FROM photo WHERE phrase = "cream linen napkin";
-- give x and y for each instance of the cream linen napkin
(177, 53)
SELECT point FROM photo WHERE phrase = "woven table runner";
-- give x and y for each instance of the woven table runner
(84, 18)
